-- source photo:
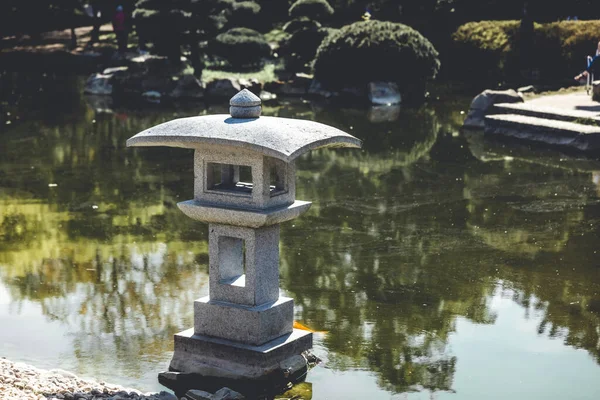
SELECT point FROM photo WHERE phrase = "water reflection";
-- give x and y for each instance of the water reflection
(419, 231)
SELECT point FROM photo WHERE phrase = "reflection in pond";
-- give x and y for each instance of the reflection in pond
(411, 244)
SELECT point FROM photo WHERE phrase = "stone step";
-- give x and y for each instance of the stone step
(553, 132)
(548, 112)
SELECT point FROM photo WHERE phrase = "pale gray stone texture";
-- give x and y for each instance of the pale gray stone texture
(245, 112)
(244, 187)
(212, 213)
(245, 104)
(281, 138)
(483, 105)
(218, 357)
(260, 283)
(245, 98)
(251, 325)
(230, 191)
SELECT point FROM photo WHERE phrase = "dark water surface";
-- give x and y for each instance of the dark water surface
(441, 265)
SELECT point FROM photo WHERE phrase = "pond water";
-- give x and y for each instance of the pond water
(441, 265)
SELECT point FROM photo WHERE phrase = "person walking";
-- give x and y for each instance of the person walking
(120, 29)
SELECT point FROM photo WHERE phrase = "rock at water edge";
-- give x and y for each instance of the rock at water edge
(384, 93)
(99, 84)
(482, 104)
(227, 394)
(188, 87)
(221, 88)
(195, 394)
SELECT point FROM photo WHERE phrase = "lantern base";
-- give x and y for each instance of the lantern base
(209, 356)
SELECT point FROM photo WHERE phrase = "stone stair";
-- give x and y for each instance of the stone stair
(566, 127)
(548, 112)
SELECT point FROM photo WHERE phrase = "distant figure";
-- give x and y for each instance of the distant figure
(594, 66)
(120, 29)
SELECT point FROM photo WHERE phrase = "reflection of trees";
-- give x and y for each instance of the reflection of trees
(546, 230)
(99, 251)
(385, 262)
(386, 145)
(402, 239)
(378, 265)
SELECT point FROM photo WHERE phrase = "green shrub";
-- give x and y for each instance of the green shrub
(561, 47)
(175, 24)
(482, 48)
(300, 23)
(312, 9)
(495, 48)
(301, 47)
(241, 47)
(244, 14)
(370, 51)
(171, 24)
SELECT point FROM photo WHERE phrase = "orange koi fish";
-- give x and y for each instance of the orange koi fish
(298, 325)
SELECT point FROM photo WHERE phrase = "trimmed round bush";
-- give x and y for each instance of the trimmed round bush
(369, 51)
(297, 24)
(244, 14)
(301, 47)
(241, 47)
(312, 9)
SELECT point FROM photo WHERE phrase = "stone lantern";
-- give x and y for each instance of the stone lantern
(244, 187)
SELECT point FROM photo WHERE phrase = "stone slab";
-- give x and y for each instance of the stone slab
(531, 109)
(281, 138)
(552, 132)
(196, 354)
(251, 325)
(571, 101)
(251, 218)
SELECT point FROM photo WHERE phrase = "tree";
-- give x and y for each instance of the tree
(171, 24)
(370, 51)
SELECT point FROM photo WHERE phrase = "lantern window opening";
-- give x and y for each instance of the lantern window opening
(277, 178)
(229, 179)
(232, 261)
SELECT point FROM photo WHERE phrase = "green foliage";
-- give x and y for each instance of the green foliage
(301, 47)
(495, 48)
(34, 16)
(369, 51)
(244, 14)
(241, 47)
(561, 47)
(486, 45)
(312, 9)
(171, 24)
(300, 23)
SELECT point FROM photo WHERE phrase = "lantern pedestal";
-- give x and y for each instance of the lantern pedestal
(210, 356)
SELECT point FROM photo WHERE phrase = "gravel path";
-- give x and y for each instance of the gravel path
(20, 381)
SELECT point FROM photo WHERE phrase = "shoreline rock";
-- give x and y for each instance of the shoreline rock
(25, 382)
(484, 102)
